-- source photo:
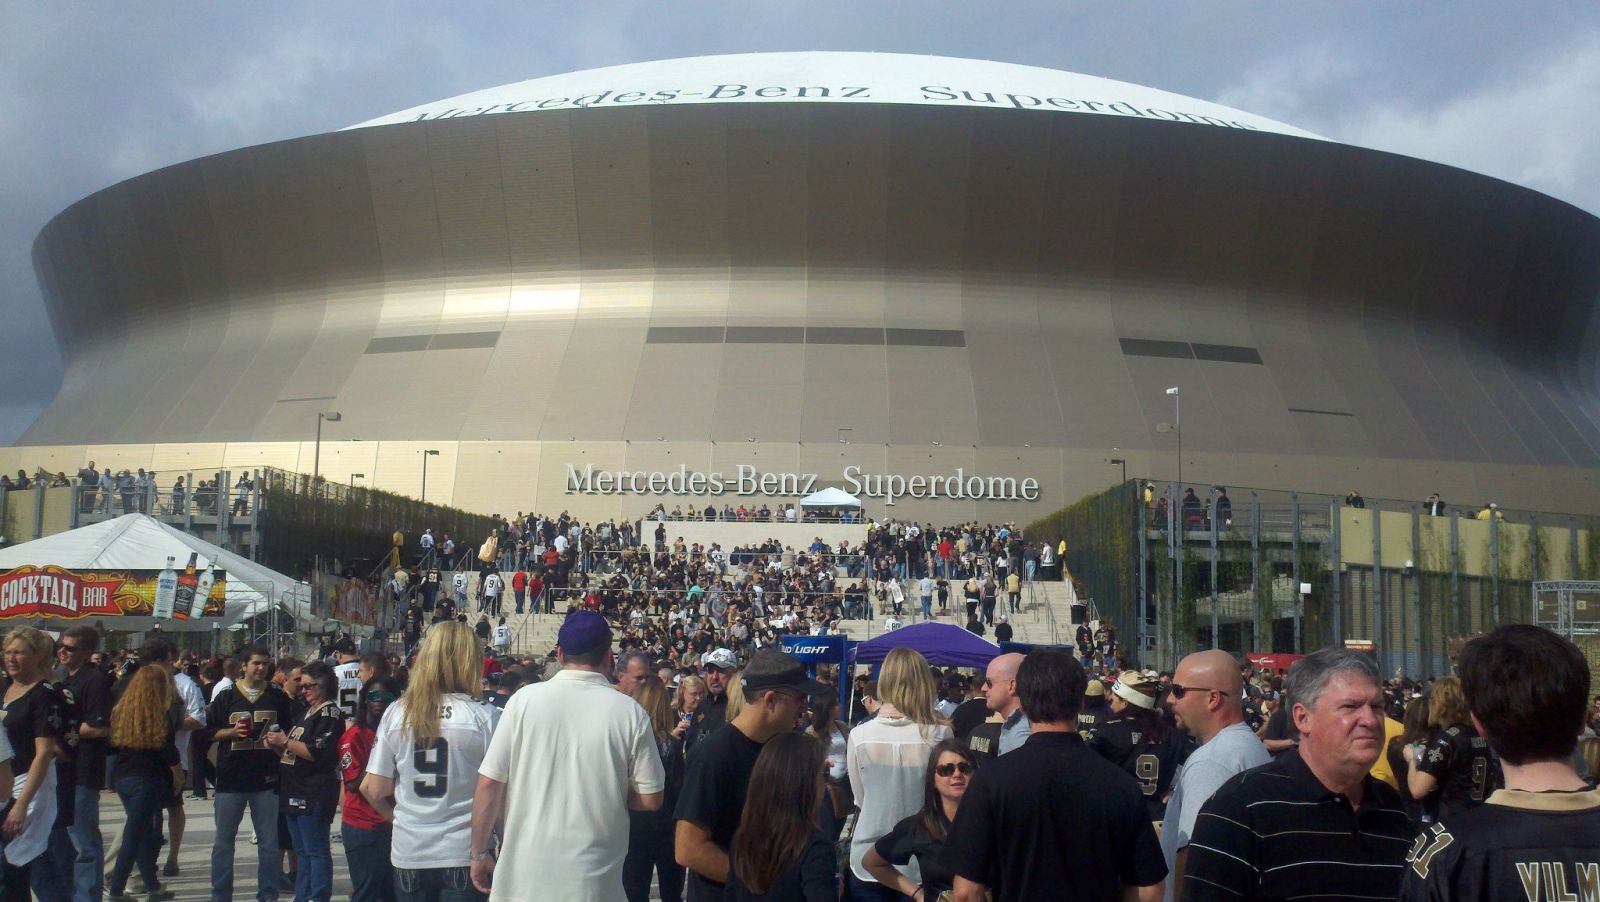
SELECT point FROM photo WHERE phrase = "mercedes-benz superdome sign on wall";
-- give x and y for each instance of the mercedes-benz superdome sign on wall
(838, 78)
(962, 287)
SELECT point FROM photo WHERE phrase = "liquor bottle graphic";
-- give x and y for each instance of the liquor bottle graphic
(187, 580)
(166, 593)
(202, 591)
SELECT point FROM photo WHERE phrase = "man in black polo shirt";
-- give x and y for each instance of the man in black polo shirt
(238, 721)
(1312, 823)
(1539, 838)
(776, 691)
(1051, 819)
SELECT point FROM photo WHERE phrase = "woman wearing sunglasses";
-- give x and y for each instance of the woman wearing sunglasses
(365, 833)
(950, 769)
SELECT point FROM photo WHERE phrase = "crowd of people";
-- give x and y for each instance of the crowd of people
(128, 491)
(604, 770)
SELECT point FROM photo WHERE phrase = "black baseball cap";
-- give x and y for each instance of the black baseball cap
(770, 668)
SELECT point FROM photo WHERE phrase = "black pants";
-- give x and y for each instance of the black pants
(650, 850)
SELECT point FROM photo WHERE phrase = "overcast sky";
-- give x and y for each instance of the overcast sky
(93, 93)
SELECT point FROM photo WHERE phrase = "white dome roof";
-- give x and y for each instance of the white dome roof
(827, 77)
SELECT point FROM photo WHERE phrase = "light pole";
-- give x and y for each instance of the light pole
(1177, 427)
(1123, 462)
(354, 477)
(331, 416)
(431, 452)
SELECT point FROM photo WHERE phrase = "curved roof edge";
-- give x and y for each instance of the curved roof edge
(837, 77)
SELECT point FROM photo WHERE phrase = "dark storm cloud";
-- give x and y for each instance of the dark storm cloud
(90, 95)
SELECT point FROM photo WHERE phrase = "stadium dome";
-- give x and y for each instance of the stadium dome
(960, 286)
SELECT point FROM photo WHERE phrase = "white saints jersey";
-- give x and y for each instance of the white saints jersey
(433, 784)
(349, 688)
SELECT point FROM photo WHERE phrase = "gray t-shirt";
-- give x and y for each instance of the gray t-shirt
(1015, 731)
(1233, 750)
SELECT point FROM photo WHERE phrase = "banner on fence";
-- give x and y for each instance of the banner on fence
(51, 591)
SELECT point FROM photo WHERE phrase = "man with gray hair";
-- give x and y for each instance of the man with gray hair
(632, 669)
(1253, 839)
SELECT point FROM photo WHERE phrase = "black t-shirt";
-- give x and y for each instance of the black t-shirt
(709, 716)
(811, 879)
(910, 839)
(713, 794)
(66, 762)
(968, 715)
(1548, 841)
(1466, 770)
(1124, 742)
(1279, 726)
(33, 714)
(316, 780)
(247, 765)
(152, 765)
(91, 692)
(1052, 817)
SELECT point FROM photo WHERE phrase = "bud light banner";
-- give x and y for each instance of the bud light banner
(59, 593)
(816, 649)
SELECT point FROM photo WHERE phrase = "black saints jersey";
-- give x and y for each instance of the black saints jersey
(306, 783)
(1124, 741)
(1466, 770)
(1532, 846)
(246, 764)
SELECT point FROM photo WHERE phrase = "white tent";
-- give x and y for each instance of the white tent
(830, 497)
(141, 542)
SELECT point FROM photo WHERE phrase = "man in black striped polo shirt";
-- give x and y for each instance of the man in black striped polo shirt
(1313, 823)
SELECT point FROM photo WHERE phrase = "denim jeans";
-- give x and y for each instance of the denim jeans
(51, 872)
(143, 799)
(436, 885)
(371, 875)
(313, 879)
(1032, 568)
(88, 870)
(229, 809)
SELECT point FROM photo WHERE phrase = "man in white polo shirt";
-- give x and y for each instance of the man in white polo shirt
(571, 757)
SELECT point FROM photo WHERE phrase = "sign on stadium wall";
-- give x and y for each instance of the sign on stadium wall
(746, 481)
(52, 591)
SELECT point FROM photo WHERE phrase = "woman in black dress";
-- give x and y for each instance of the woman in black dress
(921, 836)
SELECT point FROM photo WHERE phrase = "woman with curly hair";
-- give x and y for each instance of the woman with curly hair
(146, 773)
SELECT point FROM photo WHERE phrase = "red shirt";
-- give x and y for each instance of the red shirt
(490, 665)
(535, 586)
(519, 581)
(354, 749)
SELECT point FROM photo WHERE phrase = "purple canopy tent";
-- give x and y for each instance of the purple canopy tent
(941, 643)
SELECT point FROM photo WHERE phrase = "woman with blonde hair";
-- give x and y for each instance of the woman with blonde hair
(146, 772)
(1456, 763)
(887, 760)
(424, 765)
(691, 691)
(650, 833)
(33, 718)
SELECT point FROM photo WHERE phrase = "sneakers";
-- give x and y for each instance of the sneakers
(170, 870)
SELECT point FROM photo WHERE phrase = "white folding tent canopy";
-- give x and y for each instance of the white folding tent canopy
(141, 542)
(830, 497)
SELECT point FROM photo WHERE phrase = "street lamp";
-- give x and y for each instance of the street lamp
(316, 460)
(1116, 461)
(431, 452)
(354, 477)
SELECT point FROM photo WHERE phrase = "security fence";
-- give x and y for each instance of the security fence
(1264, 570)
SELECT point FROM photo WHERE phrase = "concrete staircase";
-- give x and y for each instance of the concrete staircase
(1045, 619)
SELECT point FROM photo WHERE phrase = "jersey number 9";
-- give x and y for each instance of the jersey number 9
(432, 764)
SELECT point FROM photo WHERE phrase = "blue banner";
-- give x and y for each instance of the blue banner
(816, 649)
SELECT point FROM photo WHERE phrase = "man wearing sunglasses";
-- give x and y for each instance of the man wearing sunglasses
(91, 689)
(1206, 698)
